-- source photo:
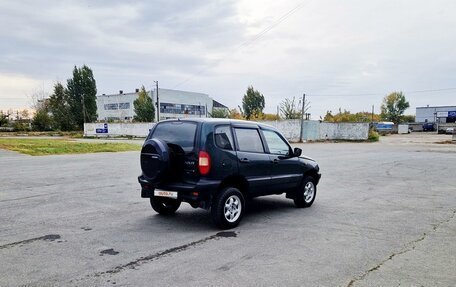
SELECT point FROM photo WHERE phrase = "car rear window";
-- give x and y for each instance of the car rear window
(180, 133)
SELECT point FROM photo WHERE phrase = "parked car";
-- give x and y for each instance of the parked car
(449, 131)
(217, 164)
(428, 127)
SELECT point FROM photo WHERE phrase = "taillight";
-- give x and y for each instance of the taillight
(204, 163)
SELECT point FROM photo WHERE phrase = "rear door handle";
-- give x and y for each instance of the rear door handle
(276, 160)
(244, 159)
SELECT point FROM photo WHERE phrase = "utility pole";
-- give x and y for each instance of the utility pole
(158, 102)
(302, 116)
(372, 113)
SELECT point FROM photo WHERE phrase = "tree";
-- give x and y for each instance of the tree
(4, 118)
(252, 103)
(25, 115)
(408, 118)
(269, 117)
(235, 114)
(347, 116)
(219, 113)
(393, 106)
(82, 93)
(59, 107)
(42, 121)
(144, 107)
(289, 109)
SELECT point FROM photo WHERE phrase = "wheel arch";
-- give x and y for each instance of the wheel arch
(312, 173)
(236, 181)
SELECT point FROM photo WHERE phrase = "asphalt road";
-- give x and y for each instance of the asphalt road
(385, 215)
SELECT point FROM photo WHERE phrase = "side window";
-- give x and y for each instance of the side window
(275, 143)
(224, 138)
(249, 140)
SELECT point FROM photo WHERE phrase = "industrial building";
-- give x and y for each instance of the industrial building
(173, 104)
(441, 114)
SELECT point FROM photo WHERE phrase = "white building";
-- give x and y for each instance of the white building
(442, 114)
(173, 104)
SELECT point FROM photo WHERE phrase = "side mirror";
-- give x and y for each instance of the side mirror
(297, 151)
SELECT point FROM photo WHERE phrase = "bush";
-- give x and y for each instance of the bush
(219, 113)
(373, 135)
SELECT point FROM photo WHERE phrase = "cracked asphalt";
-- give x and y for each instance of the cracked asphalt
(385, 215)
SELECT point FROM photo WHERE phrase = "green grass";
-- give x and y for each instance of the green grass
(61, 146)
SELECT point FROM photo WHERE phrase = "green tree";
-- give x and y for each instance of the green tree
(393, 107)
(42, 120)
(82, 96)
(252, 104)
(219, 113)
(60, 109)
(3, 118)
(144, 107)
(290, 109)
(408, 118)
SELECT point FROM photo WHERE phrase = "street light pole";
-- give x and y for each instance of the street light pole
(158, 102)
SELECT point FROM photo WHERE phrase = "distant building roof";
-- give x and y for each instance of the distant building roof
(433, 107)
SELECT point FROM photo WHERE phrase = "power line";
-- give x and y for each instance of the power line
(249, 41)
(273, 25)
(435, 90)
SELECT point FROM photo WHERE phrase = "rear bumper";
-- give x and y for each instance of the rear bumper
(200, 191)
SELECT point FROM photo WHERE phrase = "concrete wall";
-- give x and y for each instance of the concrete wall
(312, 130)
(316, 130)
(289, 128)
(117, 129)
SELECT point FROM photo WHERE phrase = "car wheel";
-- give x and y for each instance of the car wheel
(228, 208)
(306, 194)
(165, 206)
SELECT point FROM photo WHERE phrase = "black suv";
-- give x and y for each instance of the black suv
(217, 164)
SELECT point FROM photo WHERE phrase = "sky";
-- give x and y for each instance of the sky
(342, 54)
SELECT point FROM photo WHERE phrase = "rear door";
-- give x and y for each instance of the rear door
(181, 139)
(254, 163)
(286, 172)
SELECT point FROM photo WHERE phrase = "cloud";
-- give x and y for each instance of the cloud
(324, 47)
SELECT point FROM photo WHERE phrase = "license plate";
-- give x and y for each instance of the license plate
(164, 193)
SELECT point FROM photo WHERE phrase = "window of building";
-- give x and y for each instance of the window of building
(169, 108)
(223, 137)
(249, 140)
(124, 106)
(275, 143)
(111, 106)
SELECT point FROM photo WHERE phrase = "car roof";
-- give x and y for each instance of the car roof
(223, 121)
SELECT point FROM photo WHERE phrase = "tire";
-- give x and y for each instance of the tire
(228, 208)
(155, 160)
(164, 206)
(306, 193)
